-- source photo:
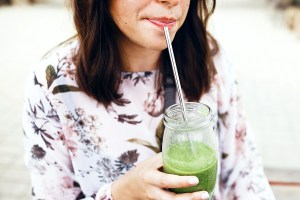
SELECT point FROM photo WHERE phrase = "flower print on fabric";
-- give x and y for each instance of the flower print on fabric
(126, 160)
(85, 128)
(108, 170)
(38, 152)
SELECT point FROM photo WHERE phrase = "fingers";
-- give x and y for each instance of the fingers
(166, 195)
(157, 161)
(163, 180)
(202, 195)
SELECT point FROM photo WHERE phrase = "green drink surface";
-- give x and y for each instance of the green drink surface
(180, 160)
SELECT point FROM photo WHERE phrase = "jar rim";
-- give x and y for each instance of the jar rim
(202, 120)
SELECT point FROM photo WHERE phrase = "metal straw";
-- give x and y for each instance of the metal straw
(177, 81)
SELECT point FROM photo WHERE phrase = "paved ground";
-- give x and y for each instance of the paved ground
(267, 60)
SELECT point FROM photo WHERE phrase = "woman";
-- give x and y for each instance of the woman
(94, 105)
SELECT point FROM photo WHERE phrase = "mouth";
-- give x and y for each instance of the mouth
(162, 22)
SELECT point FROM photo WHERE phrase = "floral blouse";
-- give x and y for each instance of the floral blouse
(76, 147)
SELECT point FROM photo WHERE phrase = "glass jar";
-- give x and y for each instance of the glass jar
(190, 147)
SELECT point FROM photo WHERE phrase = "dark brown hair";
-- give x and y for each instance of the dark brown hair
(99, 61)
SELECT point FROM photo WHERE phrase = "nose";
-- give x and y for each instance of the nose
(169, 3)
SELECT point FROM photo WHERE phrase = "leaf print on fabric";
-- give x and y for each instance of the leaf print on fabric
(38, 123)
(154, 104)
(32, 192)
(226, 176)
(148, 74)
(43, 133)
(158, 135)
(38, 152)
(224, 119)
(52, 114)
(128, 119)
(65, 88)
(51, 75)
(122, 102)
(35, 128)
(41, 106)
(128, 76)
(33, 112)
(64, 69)
(137, 77)
(145, 143)
(224, 155)
(36, 82)
(126, 160)
(123, 118)
(48, 144)
(142, 78)
(82, 196)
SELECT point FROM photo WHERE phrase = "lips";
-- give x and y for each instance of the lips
(162, 22)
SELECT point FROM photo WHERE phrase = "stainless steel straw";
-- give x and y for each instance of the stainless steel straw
(177, 81)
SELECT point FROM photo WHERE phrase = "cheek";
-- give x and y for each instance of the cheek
(122, 14)
(185, 7)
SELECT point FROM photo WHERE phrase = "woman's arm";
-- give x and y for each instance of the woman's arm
(46, 153)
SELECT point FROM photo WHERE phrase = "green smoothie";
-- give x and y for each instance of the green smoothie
(180, 160)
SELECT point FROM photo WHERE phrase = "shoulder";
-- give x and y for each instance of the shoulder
(66, 48)
(224, 79)
(223, 64)
(58, 65)
(223, 67)
(225, 76)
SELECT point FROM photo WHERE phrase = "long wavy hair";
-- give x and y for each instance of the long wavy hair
(99, 66)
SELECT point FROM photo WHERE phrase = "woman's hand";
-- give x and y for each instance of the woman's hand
(145, 182)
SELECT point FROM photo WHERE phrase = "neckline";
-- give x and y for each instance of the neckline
(128, 72)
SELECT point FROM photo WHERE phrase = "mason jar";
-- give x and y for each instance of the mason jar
(189, 146)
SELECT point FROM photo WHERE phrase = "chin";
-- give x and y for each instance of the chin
(158, 47)
(157, 44)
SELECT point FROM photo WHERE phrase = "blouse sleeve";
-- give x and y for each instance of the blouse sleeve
(46, 154)
(242, 173)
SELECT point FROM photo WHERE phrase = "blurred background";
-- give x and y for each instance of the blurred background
(262, 38)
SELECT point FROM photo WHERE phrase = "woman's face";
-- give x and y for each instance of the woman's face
(141, 21)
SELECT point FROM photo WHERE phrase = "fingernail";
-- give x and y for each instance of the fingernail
(204, 195)
(194, 181)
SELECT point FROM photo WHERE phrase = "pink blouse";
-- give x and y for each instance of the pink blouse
(76, 147)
